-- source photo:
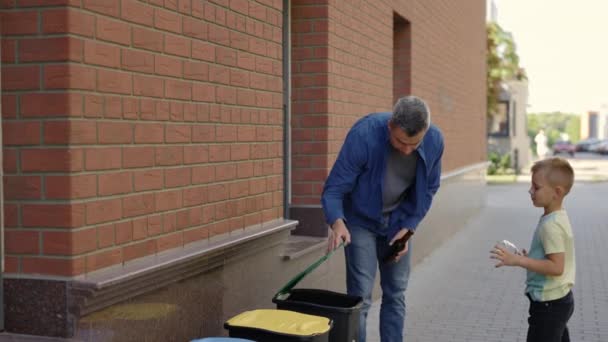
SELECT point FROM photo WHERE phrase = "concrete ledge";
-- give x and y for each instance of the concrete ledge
(57, 304)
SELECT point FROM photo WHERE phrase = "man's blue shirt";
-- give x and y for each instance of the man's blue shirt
(353, 190)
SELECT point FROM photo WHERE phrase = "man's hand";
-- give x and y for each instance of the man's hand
(398, 236)
(338, 233)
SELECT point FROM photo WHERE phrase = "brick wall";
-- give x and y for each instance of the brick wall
(343, 51)
(131, 127)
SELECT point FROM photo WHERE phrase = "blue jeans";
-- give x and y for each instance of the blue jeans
(547, 321)
(363, 255)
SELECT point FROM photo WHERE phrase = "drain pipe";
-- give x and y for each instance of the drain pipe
(286, 108)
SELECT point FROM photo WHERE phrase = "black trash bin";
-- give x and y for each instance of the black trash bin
(341, 308)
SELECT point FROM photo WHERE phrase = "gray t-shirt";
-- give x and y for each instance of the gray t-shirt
(400, 174)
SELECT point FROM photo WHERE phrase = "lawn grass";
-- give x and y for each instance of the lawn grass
(501, 179)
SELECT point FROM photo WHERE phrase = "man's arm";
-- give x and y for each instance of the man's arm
(343, 176)
(412, 220)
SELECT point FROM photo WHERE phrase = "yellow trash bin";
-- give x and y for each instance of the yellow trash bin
(270, 325)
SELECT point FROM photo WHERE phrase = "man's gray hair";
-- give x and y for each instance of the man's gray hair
(412, 115)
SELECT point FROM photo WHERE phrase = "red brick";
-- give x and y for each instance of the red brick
(69, 76)
(103, 259)
(65, 20)
(21, 77)
(169, 155)
(123, 232)
(168, 66)
(196, 71)
(137, 12)
(70, 132)
(196, 234)
(69, 243)
(9, 106)
(9, 49)
(21, 241)
(169, 241)
(22, 187)
(219, 35)
(177, 177)
(148, 86)
(184, 6)
(180, 90)
(140, 61)
(105, 236)
(225, 172)
(203, 174)
(176, 45)
(203, 92)
(203, 51)
(195, 154)
(167, 20)
(19, 23)
(38, 3)
(55, 49)
(113, 31)
(109, 7)
(195, 28)
(154, 225)
(9, 160)
(140, 228)
(138, 157)
(137, 205)
(51, 160)
(107, 158)
(148, 180)
(101, 54)
(149, 133)
(11, 264)
(51, 105)
(53, 266)
(11, 215)
(139, 250)
(195, 196)
(52, 215)
(21, 133)
(115, 183)
(147, 39)
(177, 134)
(114, 82)
(100, 211)
(71, 187)
(115, 132)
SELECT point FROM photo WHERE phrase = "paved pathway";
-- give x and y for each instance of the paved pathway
(456, 294)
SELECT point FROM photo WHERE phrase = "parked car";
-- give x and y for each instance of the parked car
(601, 147)
(585, 144)
(564, 147)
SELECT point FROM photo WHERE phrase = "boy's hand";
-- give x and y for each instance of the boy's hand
(505, 257)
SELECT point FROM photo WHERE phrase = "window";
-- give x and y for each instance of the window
(498, 123)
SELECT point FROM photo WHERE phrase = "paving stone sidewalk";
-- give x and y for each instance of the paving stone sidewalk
(457, 295)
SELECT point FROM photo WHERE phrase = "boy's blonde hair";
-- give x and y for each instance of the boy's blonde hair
(558, 172)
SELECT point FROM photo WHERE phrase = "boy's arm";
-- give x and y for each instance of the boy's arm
(552, 265)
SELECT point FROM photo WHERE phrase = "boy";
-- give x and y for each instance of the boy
(550, 263)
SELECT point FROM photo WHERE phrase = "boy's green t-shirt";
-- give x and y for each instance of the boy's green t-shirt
(553, 234)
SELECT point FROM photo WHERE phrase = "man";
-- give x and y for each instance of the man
(380, 187)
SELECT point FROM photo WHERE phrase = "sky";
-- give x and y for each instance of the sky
(563, 45)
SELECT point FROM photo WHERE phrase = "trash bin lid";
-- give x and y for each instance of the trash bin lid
(282, 321)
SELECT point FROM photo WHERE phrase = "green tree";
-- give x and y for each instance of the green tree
(502, 63)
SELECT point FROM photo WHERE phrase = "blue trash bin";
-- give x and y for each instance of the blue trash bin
(221, 339)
